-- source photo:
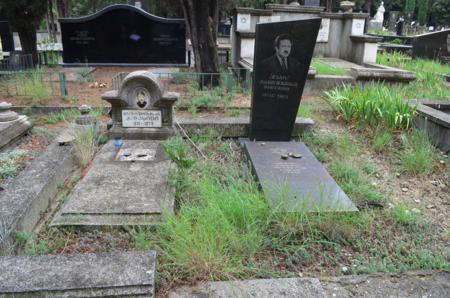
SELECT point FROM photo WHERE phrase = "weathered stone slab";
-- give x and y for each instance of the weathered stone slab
(117, 192)
(11, 130)
(29, 194)
(118, 274)
(261, 288)
(415, 284)
(382, 73)
(293, 179)
(434, 118)
(233, 127)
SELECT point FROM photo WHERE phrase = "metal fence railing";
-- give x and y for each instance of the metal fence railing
(190, 84)
(16, 62)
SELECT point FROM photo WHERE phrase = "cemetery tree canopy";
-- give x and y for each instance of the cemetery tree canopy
(201, 20)
(25, 16)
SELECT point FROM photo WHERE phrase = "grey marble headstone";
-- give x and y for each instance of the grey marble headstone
(140, 109)
(293, 180)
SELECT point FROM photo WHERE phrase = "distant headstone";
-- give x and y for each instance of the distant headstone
(293, 180)
(435, 45)
(399, 26)
(6, 37)
(312, 2)
(283, 52)
(393, 16)
(128, 35)
(141, 109)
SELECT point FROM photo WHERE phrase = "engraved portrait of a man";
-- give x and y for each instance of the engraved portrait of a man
(281, 63)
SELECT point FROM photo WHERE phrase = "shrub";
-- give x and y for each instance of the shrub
(374, 104)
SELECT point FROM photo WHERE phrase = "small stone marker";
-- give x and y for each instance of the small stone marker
(118, 274)
(297, 181)
(283, 52)
(12, 125)
(140, 108)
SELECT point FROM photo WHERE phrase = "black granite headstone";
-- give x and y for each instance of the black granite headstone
(399, 27)
(6, 37)
(283, 52)
(293, 180)
(435, 45)
(123, 34)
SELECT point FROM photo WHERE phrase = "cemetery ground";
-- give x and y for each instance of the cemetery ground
(223, 227)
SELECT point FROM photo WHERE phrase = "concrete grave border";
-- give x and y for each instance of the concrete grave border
(22, 203)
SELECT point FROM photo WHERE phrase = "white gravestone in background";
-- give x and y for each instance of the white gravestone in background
(324, 31)
(243, 22)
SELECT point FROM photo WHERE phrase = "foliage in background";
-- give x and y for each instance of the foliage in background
(441, 11)
(422, 12)
(410, 5)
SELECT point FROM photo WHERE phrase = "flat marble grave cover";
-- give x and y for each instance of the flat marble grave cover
(295, 184)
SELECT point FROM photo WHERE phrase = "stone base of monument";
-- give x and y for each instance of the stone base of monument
(293, 180)
(11, 130)
(123, 187)
(161, 133)
(118, 274)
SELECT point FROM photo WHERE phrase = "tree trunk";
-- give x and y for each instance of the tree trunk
(51, 22)
(27, 36)
(368, 7)
(62, 6)
(201, 21)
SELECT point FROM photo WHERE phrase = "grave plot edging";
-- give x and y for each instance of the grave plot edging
(23, 202)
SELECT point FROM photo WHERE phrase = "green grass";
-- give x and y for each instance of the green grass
(68, 115)
(10, 163)
(429, 83)
(418, 155)
(323, 68)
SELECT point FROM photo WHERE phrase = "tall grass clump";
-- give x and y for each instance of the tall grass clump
(84, 144)
(371, 105)
(218, 229)
(418, 155)
(33, 84)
